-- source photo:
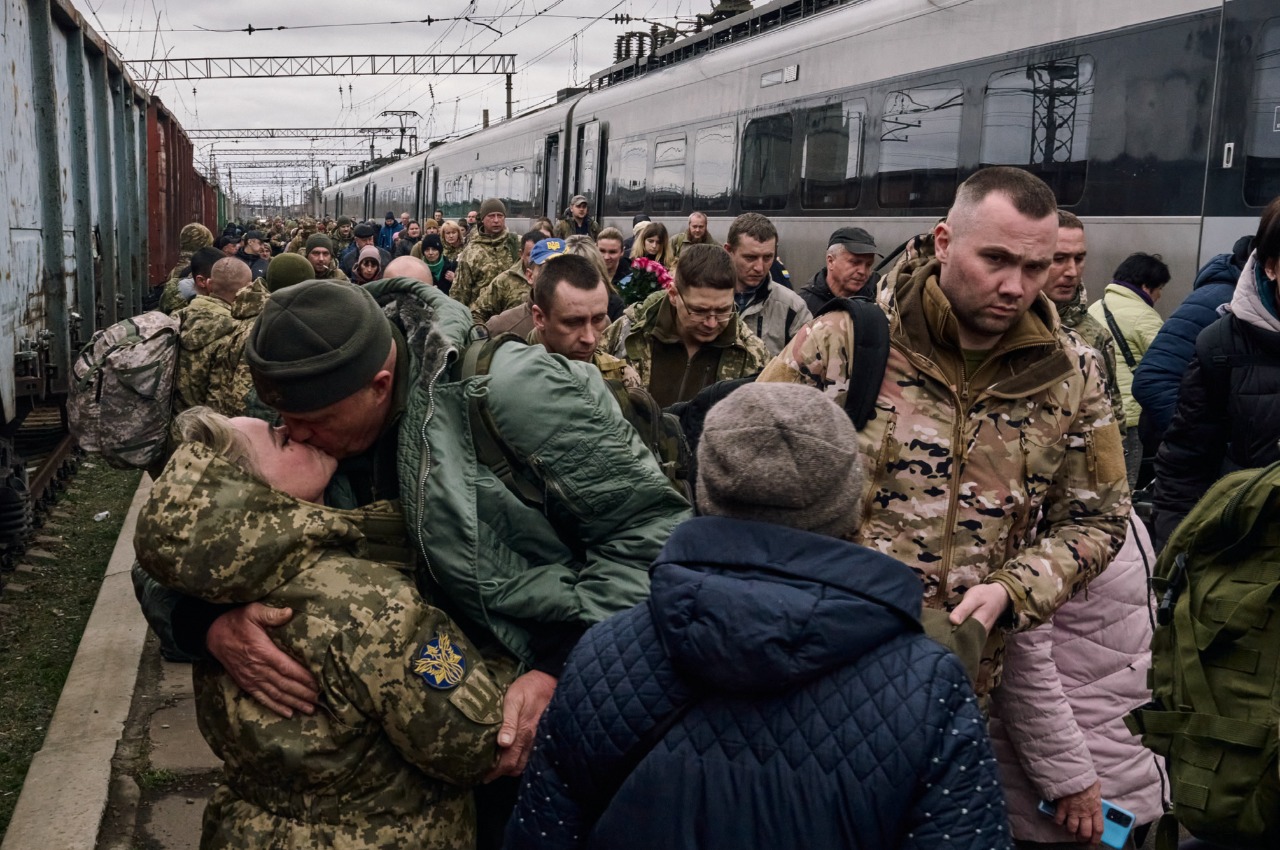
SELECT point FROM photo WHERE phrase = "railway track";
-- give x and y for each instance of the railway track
(45, 457)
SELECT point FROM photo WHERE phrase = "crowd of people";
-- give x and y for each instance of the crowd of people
(439, 592)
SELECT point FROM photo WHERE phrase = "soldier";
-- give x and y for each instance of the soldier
(192, 238)
(1066, 290)
(695, 234)
(413, 707)
(577, 222)
(319, 252)
(342, 236)
(995, 468)
(570, 312)
(688, 337)
(772, 311)
(490, 251)
(511, 288)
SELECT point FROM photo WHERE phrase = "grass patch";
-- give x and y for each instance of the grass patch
(38, 640)
(156, 778)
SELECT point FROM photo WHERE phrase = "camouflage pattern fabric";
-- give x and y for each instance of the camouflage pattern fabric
(340, 245)
(682, 238)
(507, 290)
(484, 258)
(171, 299)
(630, 338)
(212, 370)
(409, 709)
(1075, 316)
(1014, 474)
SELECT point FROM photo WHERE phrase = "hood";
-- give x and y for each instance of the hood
(213, 531)
(1074, 311)
(754, 608)
(434, 324)
(1220, 269)
(1246, 302)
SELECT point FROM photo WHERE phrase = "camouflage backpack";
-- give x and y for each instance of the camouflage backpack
(661, 432)
(121, 399)
(1215, 663)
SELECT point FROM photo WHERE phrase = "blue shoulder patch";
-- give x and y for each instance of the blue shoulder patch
(440, 664)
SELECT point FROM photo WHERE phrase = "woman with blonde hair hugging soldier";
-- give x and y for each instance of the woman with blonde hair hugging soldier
(408, 710)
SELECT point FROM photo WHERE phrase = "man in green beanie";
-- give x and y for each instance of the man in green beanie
(490, 251)
(287, 269)
(369, 375)
(319, 252)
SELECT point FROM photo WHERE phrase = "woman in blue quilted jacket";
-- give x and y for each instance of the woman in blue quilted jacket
(777, 690)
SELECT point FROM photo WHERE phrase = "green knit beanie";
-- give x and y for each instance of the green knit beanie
(316, 343)
(318, 240)
(287, 269)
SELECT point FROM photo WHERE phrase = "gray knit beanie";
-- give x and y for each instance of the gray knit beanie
(316, 343)
(781, 453)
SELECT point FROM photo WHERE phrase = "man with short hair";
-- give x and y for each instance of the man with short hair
(410, 267)
(1065, 289)
(997, 471)
(438, 215)
(773, 312)
(577, 222)
(511, 288)
(570, 313)
(609, 241)
(695, 234)
(319, 252)
(342, 237)
(851, 252)
(490, 251)
(688, 337)
(365, 234)
(472, 219)
(387, 234)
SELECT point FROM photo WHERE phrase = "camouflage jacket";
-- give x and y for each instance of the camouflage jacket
(507, 290)
(340, 245)
(171, 299)
(1014, 474)
(1076, 317)
(211, 367)
(409, 710)
(633, 336)
(484, 258)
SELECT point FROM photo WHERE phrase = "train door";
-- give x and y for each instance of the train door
(419, 178)
(552, 169)
(432, 192)
(587, 162)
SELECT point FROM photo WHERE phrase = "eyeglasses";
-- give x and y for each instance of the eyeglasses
(701, 314)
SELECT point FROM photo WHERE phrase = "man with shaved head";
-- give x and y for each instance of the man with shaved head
(995, 464)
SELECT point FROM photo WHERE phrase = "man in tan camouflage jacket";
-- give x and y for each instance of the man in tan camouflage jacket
(995, 465)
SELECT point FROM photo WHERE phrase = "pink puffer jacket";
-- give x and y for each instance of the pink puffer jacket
(1057, 720)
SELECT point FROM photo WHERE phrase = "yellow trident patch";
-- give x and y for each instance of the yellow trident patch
(439, 664)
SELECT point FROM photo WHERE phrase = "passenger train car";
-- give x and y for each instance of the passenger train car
(1156, 121)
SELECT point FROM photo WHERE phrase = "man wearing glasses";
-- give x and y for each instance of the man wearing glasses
(689, 336)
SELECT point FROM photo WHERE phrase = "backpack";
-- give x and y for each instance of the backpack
(1215, 663)
(122, 383)
(660, 431)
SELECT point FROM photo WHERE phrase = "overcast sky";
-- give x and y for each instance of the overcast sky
(543, 44)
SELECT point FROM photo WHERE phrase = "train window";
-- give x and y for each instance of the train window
(832, 156)
(765, 178)
(920, 146)
(1262, 144)
(713, 153)
(1037, 117)
(588, 158)
(633, 168)
(668, 175)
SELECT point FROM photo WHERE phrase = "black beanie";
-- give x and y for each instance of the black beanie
(316, 343)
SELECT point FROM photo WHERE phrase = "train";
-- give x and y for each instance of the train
(98, 178)
(1155, 121)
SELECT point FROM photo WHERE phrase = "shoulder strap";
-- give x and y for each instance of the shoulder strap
(1121, 342)
(492, 449)
(870, 356)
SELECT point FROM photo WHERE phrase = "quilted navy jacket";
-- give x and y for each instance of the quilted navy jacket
(821, 716)
(1156, 382)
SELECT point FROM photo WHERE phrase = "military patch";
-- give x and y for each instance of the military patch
(439, 664)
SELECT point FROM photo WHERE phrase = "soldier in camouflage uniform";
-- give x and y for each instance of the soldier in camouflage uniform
(1066, 290)
(490, 251)
(306, 229)
(995, 468)
(511, 287)
(688, 337)
(343, 237)
(193, 237)
(409, 708)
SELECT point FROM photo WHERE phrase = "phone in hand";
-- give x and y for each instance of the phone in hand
(1117, 823)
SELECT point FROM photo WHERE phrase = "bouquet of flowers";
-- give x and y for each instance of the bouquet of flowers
(647, 277)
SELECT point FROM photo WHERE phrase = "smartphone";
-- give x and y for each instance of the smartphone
(1117, 823)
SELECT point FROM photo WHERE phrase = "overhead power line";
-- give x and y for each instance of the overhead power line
(239, 67)
(292, 133)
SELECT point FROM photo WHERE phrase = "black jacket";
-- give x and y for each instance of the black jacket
(819, 715)
(1228, 417)
(816, 293)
